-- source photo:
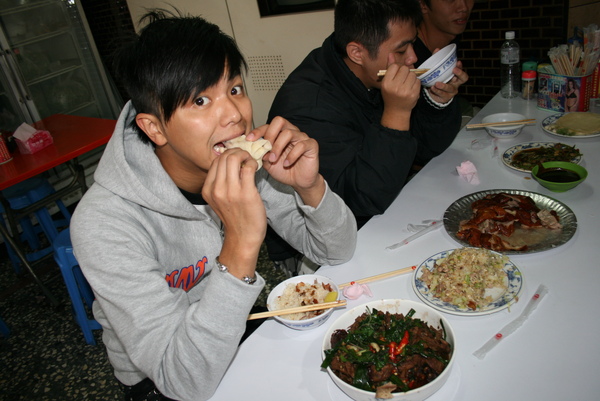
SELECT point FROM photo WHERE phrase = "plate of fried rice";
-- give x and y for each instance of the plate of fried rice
(468, 281)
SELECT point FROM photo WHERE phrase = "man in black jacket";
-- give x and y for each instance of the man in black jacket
(443, 23)
(371, 130)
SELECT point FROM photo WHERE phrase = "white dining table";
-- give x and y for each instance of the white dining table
(554, 355)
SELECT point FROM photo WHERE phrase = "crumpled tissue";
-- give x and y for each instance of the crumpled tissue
(30, 140)
(468, 172)
(355, 290)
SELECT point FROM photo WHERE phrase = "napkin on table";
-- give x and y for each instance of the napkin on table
(30, 140)
(468, 172)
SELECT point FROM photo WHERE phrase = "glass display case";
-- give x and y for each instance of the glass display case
(48, 51)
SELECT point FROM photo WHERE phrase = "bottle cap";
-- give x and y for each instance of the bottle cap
(509, 35)
(529, 74)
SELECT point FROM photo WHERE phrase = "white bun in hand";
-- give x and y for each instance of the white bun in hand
(257, 149)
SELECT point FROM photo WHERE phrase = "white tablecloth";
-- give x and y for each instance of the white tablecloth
(555, 355)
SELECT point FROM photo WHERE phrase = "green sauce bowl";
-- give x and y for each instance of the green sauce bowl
(553, 181)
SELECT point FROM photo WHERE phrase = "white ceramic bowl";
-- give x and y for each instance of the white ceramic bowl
(423, 312)
(440, 66)
(507, 131)
(306, 324)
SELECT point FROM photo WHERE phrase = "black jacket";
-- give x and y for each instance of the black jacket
(365, 163)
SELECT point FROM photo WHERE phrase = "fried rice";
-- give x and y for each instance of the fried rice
(463, 277)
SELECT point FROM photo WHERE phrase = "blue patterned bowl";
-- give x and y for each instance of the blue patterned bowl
(306, 324)
(506, 131)
(440, 66)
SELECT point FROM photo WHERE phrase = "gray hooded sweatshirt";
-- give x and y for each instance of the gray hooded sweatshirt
(149, 254)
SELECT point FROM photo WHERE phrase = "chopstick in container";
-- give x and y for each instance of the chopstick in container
(503, 123)
(379, 276)
(299, 309)
(417, 71)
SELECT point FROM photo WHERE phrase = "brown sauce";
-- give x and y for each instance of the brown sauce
(559, 175)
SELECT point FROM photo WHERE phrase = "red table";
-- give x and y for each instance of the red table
(72, 136)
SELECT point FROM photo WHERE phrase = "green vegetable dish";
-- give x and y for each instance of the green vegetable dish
(558, 152)
(385, 350)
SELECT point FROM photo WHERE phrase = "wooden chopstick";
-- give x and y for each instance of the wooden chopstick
(417, 71)
(299, 309)
(379, 276)
(499, 124)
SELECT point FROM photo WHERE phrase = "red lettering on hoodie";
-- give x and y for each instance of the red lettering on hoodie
(187, 277)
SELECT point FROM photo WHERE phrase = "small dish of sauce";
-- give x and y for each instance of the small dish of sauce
(558, 175)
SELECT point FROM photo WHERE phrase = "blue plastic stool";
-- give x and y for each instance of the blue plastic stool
(4, 330)
(79, 290)
(22, 195)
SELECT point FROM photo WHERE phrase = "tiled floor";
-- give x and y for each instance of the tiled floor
(46, 357)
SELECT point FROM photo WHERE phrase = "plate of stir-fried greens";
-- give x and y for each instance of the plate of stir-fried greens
(389, 349)
(524, 156)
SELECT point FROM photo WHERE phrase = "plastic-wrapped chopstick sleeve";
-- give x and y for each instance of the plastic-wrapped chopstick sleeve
(515, 324)
(433, 225)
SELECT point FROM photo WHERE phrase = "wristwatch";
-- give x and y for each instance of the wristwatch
(223, 268)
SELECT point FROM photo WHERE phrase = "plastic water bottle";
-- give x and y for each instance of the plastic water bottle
(510, 74)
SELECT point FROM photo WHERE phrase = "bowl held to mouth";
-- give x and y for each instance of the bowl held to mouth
(440, 66)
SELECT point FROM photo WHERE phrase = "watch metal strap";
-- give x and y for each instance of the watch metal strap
(223, 268)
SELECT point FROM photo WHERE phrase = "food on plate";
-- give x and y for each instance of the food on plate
(301, 294)
(465, 277)
(503, 221)
(388, 353)
(576, 124)
(558, 152)
(257, 149)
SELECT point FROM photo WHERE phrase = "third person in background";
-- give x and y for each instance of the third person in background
(444, 21)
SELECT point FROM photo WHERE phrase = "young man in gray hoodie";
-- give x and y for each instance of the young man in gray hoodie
(169, 234)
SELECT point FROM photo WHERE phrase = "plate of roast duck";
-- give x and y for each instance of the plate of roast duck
(510, 221)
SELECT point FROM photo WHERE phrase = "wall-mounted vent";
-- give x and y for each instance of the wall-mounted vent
(266, 72)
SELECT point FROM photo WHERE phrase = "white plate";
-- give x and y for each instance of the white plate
(501, 301)
(549, 121)
(508, 155)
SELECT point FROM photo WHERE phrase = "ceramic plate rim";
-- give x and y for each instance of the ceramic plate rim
(551, 119)
(568, 231)
(510, 152)
(509, 297)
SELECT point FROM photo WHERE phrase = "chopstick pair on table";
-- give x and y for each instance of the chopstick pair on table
(503, 123)
(329, 305)
(417, 71)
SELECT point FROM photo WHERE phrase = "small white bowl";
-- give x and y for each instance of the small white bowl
(306, 324)
(440, 66)
(423, 312)
(507, 131)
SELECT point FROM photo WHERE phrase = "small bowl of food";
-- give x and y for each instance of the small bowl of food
(503, 131)
(559, 176)
(439, 66)
(303, 290)
(409, 356)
